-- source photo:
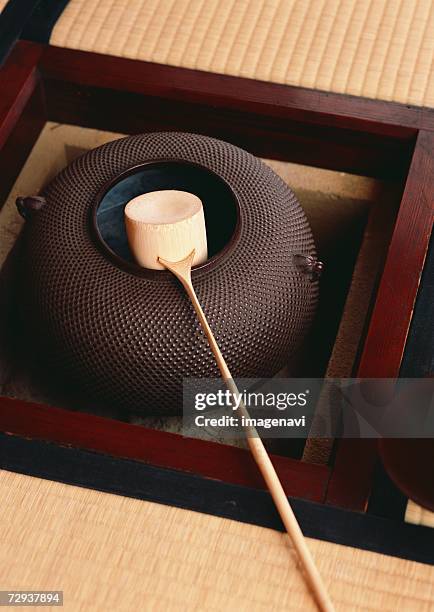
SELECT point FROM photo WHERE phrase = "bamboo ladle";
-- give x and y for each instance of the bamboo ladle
(166, 229)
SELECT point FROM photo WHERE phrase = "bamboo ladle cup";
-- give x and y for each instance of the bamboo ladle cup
(166, 229)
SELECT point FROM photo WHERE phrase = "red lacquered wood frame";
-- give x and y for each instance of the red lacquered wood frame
(233, 465)
(344, 133)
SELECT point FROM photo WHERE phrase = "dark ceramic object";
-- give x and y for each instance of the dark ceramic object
(127, 336)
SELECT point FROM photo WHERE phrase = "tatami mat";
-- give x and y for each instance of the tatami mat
(108, 552)
(373, 48)
(418, 515)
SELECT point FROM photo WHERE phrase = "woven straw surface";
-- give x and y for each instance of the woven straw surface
(108, 552)
(373, 48)
(419, 516)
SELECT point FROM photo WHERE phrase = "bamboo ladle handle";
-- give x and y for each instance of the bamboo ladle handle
(161, 227)
(182, 271)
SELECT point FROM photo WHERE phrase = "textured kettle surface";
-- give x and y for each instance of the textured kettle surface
(128, 340)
